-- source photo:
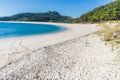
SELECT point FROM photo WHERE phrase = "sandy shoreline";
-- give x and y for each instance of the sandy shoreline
(12, 49)
(68, 55)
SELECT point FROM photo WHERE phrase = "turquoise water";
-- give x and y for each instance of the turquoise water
(26, 29)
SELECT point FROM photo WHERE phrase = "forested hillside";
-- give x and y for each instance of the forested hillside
(51, 16)
(106, 12)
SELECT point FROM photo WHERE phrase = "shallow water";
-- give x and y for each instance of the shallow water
(26, 29)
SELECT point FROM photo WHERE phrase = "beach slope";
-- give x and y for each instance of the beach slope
(74, 54)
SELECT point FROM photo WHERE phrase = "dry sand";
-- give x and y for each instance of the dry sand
(68, 55)
(24, 45)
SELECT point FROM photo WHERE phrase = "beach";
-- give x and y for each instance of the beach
(74, 54)
(24, 45)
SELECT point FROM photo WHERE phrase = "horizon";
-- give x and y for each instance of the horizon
(67, 8)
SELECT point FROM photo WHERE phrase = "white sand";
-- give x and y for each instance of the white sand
(69, 55)
(13, 48)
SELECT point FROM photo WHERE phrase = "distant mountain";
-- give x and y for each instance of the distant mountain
(107, 12)
(51, 16)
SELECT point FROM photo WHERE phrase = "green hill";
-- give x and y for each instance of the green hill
(51, 16)
(106, 12)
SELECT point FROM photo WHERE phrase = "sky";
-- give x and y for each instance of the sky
(73, 8)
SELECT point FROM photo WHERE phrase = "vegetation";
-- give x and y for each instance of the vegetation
(107, 12)
(111, 33)
(51, 16)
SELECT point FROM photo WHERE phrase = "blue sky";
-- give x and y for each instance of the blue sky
(73, 8)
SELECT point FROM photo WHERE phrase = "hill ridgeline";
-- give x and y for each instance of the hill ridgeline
(51, 16)
(106, 12)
